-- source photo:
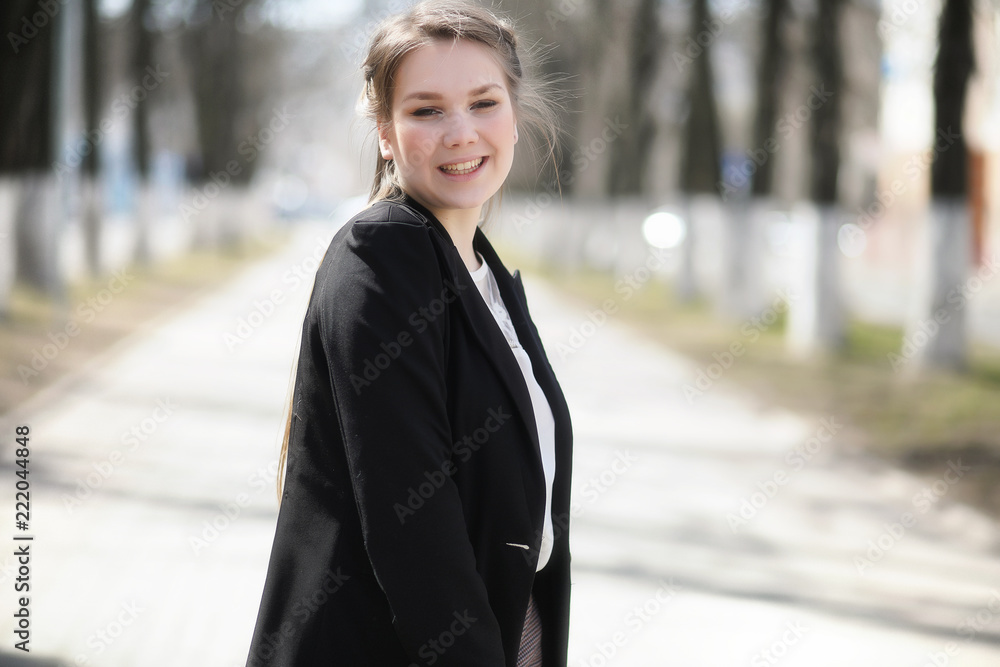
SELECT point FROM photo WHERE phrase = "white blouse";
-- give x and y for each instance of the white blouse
(487, 284)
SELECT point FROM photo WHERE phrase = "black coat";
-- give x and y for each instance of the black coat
(413, 465)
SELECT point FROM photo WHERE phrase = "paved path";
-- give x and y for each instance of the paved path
(153, 508)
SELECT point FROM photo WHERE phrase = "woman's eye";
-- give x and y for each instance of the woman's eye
(426, 111)
(484, 104)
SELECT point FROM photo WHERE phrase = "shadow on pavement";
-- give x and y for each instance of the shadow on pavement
(18, 660)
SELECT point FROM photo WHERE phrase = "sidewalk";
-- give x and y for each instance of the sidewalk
(701, 535)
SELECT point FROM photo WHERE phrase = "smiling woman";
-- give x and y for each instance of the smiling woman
(451, 135)
(428, 442)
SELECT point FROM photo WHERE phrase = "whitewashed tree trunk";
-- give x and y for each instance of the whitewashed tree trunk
(145, 213)
(936, 336)
(815, 310)
(92, 218)
(8, 211)
(688, 286)
(744, 283)
(38, 232)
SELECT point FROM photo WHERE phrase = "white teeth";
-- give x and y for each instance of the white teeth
(462, 167)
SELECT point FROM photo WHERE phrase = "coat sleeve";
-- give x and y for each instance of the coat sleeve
(384, 324)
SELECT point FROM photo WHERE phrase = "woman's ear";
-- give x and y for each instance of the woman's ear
(515, 131)
(383, 142)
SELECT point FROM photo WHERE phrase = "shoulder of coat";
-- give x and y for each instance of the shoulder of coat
(389, 211)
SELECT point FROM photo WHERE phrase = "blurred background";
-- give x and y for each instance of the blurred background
(762, 262)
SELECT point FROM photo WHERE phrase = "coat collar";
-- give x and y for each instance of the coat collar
(483, 324)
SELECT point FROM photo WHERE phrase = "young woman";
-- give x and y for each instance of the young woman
(426, 496)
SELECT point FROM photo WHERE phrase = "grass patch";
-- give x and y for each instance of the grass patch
(42, 338)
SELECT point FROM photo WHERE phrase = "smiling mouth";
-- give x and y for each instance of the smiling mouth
(462, 168)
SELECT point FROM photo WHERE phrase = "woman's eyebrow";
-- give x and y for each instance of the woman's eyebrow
(423, 95)
(485, 88)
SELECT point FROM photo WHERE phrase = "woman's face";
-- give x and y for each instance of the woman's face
(453, 131)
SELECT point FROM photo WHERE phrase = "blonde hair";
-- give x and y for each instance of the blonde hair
(534, 99)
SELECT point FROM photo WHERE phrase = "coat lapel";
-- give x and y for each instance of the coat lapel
(482, 323)
(512, 292)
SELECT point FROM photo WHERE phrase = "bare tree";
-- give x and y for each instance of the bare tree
(769, 81)
(27, 146)
(701, 153)
(90, 167)
(744, 289)
(615, 65)
(701, 170)
(232, 70)
(816, 317)
(630, 154)
(826, 127)
(939, 335)
(141, 62)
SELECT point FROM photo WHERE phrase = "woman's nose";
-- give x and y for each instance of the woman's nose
(461, 131)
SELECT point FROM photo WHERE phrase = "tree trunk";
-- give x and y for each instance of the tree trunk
(769, 81)
(815, 310)
(743, 288)
(226, 108)
(816, 319)
(630, 154)
(26, 70)
(91, 200)
(949, 247)
(37, 232)
(8, 213)
(142, 58)
(700, 158)
(700, 170)
(27, 146)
